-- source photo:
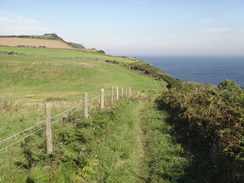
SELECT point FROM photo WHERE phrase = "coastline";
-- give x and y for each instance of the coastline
(202, 69)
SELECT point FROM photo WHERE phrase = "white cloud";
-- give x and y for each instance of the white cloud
(14, 18)
(11, 23)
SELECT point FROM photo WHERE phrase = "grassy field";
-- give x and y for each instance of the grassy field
(27, 82)
(34, 79)
(64, 53)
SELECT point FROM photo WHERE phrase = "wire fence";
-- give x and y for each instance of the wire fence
(16, 138)
(38, 124)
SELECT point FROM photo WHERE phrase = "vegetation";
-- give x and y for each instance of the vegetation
(198, 139)
(211, 121)
(72, 53)
(26, 82)
(76, 45)
(110, 146)
(51, 36)
(166, 159)
(154, 72)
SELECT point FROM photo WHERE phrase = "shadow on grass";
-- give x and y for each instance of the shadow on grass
(201, 168)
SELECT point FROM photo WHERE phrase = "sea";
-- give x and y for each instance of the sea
(201, 69)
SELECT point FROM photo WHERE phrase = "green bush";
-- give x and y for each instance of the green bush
(101, 52)
(154, 72)
(112, 61)
(211, 119)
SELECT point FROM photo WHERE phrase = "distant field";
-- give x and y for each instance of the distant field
(14, 41)
(64, 53)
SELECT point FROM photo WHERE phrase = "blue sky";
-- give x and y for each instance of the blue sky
(133, 27)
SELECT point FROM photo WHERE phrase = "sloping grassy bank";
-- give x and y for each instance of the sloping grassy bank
(131, 142)
(27, 82)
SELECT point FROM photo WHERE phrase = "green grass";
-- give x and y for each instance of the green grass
(27, 82)
(130, 142)
(63, 53)
(42, 77)
(30, 81)
(165, 158)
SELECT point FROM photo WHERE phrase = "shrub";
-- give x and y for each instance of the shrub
(112, 61)
(211, 119)
(154, 72)
(101, 52)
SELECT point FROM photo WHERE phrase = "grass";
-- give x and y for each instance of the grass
(165, 158)
(118, 152)
(43, 77)
(30, 81)
(130, 142)
(27, 82)
(63, 53)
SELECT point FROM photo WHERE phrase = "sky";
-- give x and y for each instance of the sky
(133, 27)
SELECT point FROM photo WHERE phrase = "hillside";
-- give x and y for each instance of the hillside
(26, 80)
(32, 42)
(46, 40)
(192, 132)
(31, 76)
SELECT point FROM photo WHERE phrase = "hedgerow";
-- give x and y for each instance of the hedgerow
(211, 121)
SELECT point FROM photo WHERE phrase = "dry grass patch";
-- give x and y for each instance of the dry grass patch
(34, 43)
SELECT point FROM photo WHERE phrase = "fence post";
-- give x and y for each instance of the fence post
(117, 93)
(48, 128)
(122, 92)
(85, 105)
(126, 92)
(129, 92)
(102, 98)
(112, 95)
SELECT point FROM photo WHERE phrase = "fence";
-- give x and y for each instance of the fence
(83, 106)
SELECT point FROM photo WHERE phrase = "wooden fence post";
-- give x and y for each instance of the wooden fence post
(85, 105)
(122, 92)
(112, 95)
(126, 92)
(129, 92)
(102, 98)
(117, 93)
(48, 128)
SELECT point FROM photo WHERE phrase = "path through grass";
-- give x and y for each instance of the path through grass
(139, 147)
(130, 142)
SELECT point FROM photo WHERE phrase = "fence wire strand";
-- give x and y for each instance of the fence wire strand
(63, 113)
(22, 131)
(20, 139)
(91, 99)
